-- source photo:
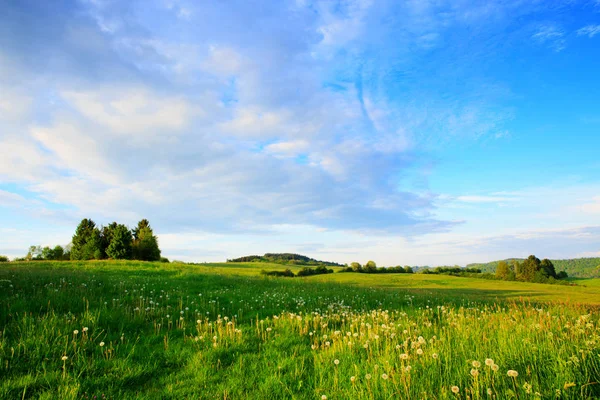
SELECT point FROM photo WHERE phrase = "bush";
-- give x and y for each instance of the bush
(164, 260)
(287, 273)
(4, 259)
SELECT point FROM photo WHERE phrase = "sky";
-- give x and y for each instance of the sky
(408, 132)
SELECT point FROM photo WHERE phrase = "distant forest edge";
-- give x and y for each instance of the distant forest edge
(576, 267)
(285, 259)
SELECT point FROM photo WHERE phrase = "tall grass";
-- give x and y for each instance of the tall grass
(143, 330)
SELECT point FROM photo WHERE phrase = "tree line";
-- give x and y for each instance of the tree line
(113, 241)
(530, 270)
(371, 268)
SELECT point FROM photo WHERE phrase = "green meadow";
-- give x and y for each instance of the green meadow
(129, 330)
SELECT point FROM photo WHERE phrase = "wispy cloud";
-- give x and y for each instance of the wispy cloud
(589, 30)
(552, 36)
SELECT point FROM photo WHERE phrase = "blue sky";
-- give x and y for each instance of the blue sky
(407, 132)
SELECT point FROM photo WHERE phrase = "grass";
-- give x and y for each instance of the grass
(223, 331)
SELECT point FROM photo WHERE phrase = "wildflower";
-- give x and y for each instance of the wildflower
(352, 379)
(495, 367)
(64, 358)
(404, 356)
(85, 329)
(475, 373)
(512, 373)
(476, 364)
(75, 332)
(435, 356)
(101, 344)
(336, 362)
(384, 376)
(368, 376)
(323, 397)
(489, 362)
(489, 392)
(455, 389)
(420, 351)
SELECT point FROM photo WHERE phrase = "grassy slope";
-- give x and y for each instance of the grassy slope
(587, 291)
(158, 357)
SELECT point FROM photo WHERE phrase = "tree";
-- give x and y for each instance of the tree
(356, 267)
(530, 267)
(370, 266)
(3, 259)
(408, 269)
(34, 253)
(547, 268)
(120, 246)
(106, 235)
(144, 223)
(86, 241)
(502, 270)
(145, 247)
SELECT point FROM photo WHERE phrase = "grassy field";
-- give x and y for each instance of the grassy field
(123, 330)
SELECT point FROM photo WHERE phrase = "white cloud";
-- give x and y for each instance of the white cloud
(589, 31)
(132, 111)
(288, 149)
(552, 36)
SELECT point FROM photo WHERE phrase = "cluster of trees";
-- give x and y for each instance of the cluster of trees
(451, 271)
(4, 259)
(285, 258)
(530, 270)
(91, 242)
(320, 270)
(371, 268)
(114, 241)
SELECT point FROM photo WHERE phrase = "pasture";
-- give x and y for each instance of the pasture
(124, 330)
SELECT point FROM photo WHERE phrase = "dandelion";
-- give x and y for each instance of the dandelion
(336, 362)
(476, 364)
(489, 392)
(474, 373)
(512, 373)
(489, 362)
(368, 376)
(420, 352)
(64, 358)
(455, 389)
(323, 397)
(434, 356)
(85, 329)
(352, 379)
(404, 356)
(75, 332)
(101, 344)
(384, 376)
(495, 367)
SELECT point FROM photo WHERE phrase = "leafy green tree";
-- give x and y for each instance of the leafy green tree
(356, 267)
(502, 270)
(370, 267)
(120, 246)
(408, 269)
(3, 259)
(145, 247)
(87, 244)
(547, 268)
(530, 267)
(34, 253)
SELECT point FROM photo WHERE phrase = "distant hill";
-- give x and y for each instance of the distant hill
(576, 267)
(286, 259)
